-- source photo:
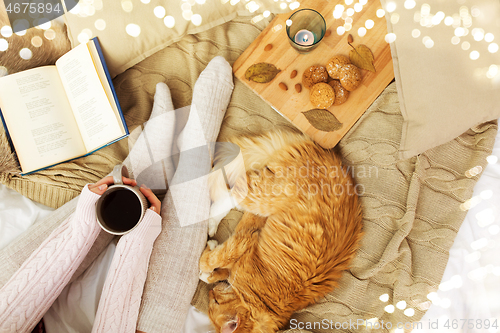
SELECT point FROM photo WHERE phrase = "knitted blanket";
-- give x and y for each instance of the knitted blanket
(412, 208)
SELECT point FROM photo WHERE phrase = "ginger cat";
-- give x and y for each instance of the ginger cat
(301, 228)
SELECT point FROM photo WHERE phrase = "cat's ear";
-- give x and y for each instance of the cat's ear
(230, 326)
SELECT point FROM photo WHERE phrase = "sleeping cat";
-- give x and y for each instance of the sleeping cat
(301, 227)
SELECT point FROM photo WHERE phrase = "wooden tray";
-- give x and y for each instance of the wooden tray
(291, 104)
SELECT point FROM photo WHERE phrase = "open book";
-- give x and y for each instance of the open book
(53, 114)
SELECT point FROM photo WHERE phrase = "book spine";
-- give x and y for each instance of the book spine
(9, 139)
(109, 143)
(95, 40)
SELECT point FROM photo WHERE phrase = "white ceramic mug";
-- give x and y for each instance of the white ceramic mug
(120, 209)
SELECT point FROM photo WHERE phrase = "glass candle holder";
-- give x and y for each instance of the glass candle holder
(305, 29)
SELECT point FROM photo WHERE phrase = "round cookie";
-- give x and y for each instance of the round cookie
(334, 64)
(313, 75)
(341, 94)
(350, 77)
(322, 95)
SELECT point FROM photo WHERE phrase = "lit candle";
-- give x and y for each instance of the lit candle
(304, 37)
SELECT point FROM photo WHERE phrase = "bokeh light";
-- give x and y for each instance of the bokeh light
(6, 31)
(100, 24)
(4, 45)
(380, 13)
(390, 37)
(489, 37)
(410, 4)
(389, 308)
(401, 305)
(390, 6)
(409, 312)
(169, 21)
(127, 6)
(133, 29)
(493, 48)
(474, 55)
(196, 19)
(394, 18)
(25, 53)
(36, 41)
(160, 11)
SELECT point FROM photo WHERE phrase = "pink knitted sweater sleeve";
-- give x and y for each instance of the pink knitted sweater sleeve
(34, 287)
(121, 297)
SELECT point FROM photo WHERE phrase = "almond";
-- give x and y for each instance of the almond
(283, 86)
(328, 33)
(293, 74)
(268, 47)
(298, 87)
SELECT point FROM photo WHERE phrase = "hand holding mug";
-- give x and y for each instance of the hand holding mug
(102, 185)
(122, 204)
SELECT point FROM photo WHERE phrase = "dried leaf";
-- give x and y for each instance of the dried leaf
(261, 72)
(361, 56)
(323, 120)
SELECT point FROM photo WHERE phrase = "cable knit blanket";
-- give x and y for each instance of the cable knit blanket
(412, 208)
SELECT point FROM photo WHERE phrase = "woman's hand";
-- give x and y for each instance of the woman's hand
(153, 200)
(102, 185)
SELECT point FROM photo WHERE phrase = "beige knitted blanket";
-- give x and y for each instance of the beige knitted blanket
(413, 208)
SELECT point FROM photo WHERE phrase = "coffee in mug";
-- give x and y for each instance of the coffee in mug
(120, 209)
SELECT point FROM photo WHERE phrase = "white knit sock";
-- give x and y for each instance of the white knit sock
(189, 187)
(153, 148)
(173, 268)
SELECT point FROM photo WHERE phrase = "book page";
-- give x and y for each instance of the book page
(91, 107)
(39, 118)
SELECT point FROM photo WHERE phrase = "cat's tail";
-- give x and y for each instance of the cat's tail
(341, 248)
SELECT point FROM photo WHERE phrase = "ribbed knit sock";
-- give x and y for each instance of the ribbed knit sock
(211, 95)
(153, 148)
(173, 271)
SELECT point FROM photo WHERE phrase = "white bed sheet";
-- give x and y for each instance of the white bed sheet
(468, 295)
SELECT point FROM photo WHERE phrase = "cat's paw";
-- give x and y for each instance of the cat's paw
(212, 244)
(204, 260)
(215, 276)
(213, 225)
(204, 276)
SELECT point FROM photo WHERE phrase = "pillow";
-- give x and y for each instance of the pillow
(446, 82)
(129, 31)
